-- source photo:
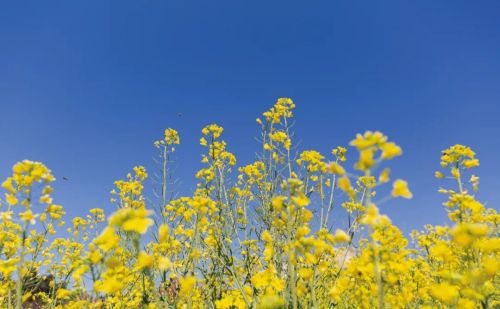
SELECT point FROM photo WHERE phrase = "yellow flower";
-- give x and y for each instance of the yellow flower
(11, 199)
(95, 257)
(163, 231)
(281, 137)
(131, 220)
(384, 176)
(306, 273)
(441, 251)
(266, 236)
(465, 303)
(186, 286)
(144, 261)
(345, 185)
(366, 160)
(231, 300)
(340, 153)
(271, 301)
(28, 216)
(45, 199)
(465, 234)
(7, 185)
(372, 217)
(277, 202)
(335, 168)
(390, 150)
(471, 163)
(164, 263)
(445, 293)
(6, 215)
(213, 130)
(282, 108)
(107, 240)
(439, 175)
(341, 236)
(109, 285)
(300, 200)
(171, 137)
(459, 154)
(7, 267)
(367, 140)
(63, 294)
(302, 231)
(400, 189)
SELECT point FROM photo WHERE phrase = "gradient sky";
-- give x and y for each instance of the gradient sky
(87, 86)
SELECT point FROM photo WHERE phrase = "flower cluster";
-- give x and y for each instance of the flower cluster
(292, 229)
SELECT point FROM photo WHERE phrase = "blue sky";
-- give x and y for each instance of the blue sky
(87, 86)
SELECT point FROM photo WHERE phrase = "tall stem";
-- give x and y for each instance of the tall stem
(19, 287)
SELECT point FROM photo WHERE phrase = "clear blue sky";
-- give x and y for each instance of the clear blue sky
(87, 86)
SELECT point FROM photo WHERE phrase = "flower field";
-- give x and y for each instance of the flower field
(293, 229)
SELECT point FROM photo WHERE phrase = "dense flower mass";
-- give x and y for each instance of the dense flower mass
(261, 235)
